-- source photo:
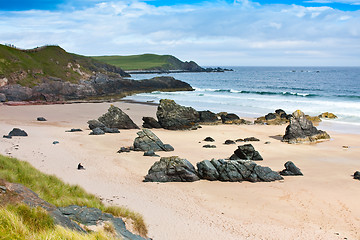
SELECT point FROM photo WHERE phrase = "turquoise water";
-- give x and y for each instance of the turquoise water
(256, 91)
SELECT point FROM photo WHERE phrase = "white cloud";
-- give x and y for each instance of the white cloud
(211, 34)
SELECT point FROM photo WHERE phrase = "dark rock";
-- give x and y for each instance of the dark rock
(235, 171)
(277, 118)
(41, 119)
(247, 152)
(251, 139)
(124, 149)
(267, 142)
(239, 140)
(111, 130)
(74, 130)
(55, 142)
(17, 132)
(171, 169)
(95, 124)
(280, 111)
(231, 118)
(150, 153)
(227, 142)
(2, 97)
(97, 131)
(301, 130)
(147, 140)
(150, 122)
(270, 116)
(357, 175)
(290, 170)
(209, 139)
(209, 146)
(115, 118)
(206, 170)
(208, 117)
(7, 136)
(176, 117)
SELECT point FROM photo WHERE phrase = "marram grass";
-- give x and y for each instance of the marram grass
(56, 192)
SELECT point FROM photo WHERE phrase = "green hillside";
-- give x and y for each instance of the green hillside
(29, 67)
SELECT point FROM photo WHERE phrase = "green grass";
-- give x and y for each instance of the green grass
(56, 192)
(139, 62)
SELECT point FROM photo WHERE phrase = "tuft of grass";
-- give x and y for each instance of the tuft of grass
(138, 220)
(56, 192)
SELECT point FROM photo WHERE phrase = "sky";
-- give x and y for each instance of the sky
(212, 33)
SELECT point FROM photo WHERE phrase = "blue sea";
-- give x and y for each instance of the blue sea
(256, 91)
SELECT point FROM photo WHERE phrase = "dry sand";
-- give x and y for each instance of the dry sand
(322, 204)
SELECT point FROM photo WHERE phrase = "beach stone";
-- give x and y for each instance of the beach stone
(327, 115)
(150, 153)
(2, 97)
(74, 130)
(116, 118)
(7, 136)
(41, 119)
(302, 130)
(208, 117)
(147, 140)
(229, 171)
(227, 142)
(270, 116)
(357, 175)
(251, 139)
(124, 149)
(247, 152)
(97, 131)
(279, 117)
(110, 130)
(266, 174)
(17, 132)
(95, 124)
(172, 169)
(150, 122)
(209, 139)
(209, 146)
(206, 170)
(173, 116)
(290, 170)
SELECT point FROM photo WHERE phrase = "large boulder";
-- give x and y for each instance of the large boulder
(176, 117)
(116, 118)
(172, 169)
(301, 130)
(246, 152)
(235, 171)
(290, 170)
(148, 141)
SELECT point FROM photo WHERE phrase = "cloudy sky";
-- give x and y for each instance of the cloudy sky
(212, 33)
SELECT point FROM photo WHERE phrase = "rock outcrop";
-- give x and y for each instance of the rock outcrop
(290, 170)
(116, 118)
(172, 169)
(173, 116)
(246, 152)
(327, 115)
(277, 118)
(235, 171)
(148, 141)
(302, 130)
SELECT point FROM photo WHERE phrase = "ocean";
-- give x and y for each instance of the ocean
(256, 91)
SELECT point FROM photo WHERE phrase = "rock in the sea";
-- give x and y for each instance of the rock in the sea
(116, 118)
(17, 132)
(41, 119)
(147, 140)
(357, 175)
(246, 152)
(209, 139)
(97, 131)
(176, 117)
(227, 142)
(209, 146)
(208, 117)
(327, 115)
(301, 130)
(150, 122)
(235, 171)
(290, 170)
(172, 169)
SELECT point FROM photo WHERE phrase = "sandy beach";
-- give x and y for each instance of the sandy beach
(322, 204)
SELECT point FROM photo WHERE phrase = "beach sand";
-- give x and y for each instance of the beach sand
(322, 204)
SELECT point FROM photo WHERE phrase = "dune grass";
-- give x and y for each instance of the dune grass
(56, 192)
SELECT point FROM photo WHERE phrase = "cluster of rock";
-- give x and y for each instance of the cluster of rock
(98, 85)
(301, 130)
(277, 118)
(69, 217)
(111, 122)
(16, 132)
(175, 169)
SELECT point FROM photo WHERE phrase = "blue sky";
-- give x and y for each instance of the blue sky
(240, 32)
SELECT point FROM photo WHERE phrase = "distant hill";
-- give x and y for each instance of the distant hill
(150, 62)
(32, 66)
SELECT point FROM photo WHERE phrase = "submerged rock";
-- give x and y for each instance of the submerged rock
(172, 169)
(302, 130)
(290, 170)
(116, 118)
(147, 141)
(173, 116)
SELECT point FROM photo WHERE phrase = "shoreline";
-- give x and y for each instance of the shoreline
(295, 208)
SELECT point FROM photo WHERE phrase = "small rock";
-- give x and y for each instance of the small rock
(150, 153)
(291, 170)
(18, 133)
(3, 189)
(239, 140)
(209, 146)
(97, 131)
(110, 130)
(251, 139)
(209, 139)
(246, 152)
(7, 136)
(41, 119)
(357, 175)
(150, 122)
(74, 130)
(124, 149)
(227, 142)
(55, 142)
(267, 142)
(80, 167)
